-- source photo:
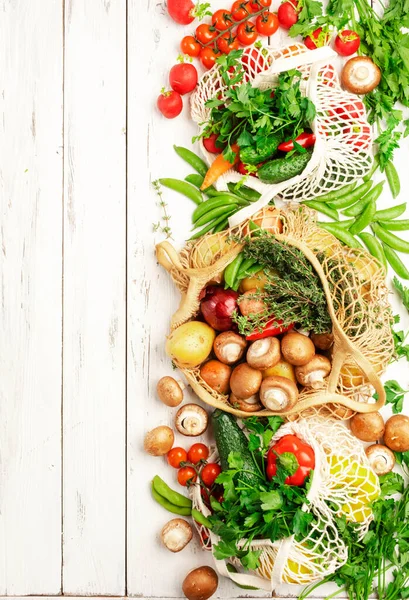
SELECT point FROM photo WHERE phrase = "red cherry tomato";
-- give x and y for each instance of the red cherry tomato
(181, 11)
(287, 14)
(210, 144)
(208, 57)
(186, 476)
(190, 46)
(205, 33)
(347, 42)
(267, 23)
(242, 169)
(351, 111)
(222, 19)
(170, 104)
(183, 78)
(240, 10)
(228, 42)
(198, 452)
(257, 5)
(176, 456)
(316, 39)
(252, 61)
(303, 453)
(246, 33)
(210, 473)
(358, 135)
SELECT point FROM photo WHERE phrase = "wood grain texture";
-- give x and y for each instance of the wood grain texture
(94, 297)
(30, 289)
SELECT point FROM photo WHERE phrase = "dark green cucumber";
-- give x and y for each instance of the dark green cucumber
(282, 169)
(230, 438)
(253, 156)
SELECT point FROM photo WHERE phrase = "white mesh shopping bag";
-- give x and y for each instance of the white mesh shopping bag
(343, 149)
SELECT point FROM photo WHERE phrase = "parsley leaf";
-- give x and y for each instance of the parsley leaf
(403, 292)
(391, 483)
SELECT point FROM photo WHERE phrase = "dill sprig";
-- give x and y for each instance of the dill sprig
(163, 224)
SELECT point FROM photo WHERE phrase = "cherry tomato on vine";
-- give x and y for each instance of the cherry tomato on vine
(186, 475)
(347, 42)
(210, 473)
(210, 144)
(316, 39)
(287, 14)
(208, 57)
(228, 42)
(205, 33)
(197, 452)
(183, 78)
(257, 5)
(246, 33)
(190, 46)
(170, 104)
(222, 19)
(240, 10)
(176, 456)
(267, 23)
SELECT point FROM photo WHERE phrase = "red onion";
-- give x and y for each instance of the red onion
(217, 306)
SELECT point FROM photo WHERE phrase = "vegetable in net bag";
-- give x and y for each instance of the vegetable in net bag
(357, 301)
(343, 484)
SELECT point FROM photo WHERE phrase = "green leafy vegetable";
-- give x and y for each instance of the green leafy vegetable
(403, 292)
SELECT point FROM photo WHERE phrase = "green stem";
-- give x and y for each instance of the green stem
(233, 26)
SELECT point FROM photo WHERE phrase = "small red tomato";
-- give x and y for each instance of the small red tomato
(197, 452)
(210, 473)
(267, 23)
(252, 61)
(176, 456)
(210, 144)
(246, 33)
(257, 5)
(242, 169)
(186, 476)
(181, 11)
(205, 33)
(208, 57)
(218, 494)
(240, 10)
(228, 42)
(222, 19)
(287, 14)
(183, 78)
(170, 104)
(316, 39)
(351, 111)
(347, 42)
(359, 136)
(190, 46)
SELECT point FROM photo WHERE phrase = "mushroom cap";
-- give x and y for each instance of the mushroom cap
(200, 584)
(297, 348)
(360, 75)
(314, 372)
(264, 353)
(191, 420)
(249, 405)
(245, 381)
(251, 303)
(217, 375)
(368, 427)
(159, 441)
(278, 393)
(229, 347)
(176, 534)
(169, 391)
(381, 458)
(396, 435)
(322, 341)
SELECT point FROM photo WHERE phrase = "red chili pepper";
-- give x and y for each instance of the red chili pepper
(304, 139)
(303, 453)
(272, 327)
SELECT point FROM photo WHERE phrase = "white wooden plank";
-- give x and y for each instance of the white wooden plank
(94, 297)
(30, 270)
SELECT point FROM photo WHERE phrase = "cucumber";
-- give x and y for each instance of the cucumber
(282, 169)
(230, 438)
(251, 156)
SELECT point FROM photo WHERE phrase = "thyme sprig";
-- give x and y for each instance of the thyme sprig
(163, 224)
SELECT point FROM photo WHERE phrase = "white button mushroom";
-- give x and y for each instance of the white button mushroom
(314, 372)
(191, 420)
(360, 75)
(297, 349)
(264, 353)
(170, 391)
(245, 381)
(229, 347)
(278, 393)
(249, 405)
(176, 535)
(381, 459)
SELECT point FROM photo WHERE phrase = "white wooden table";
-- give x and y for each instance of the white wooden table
(84, 307)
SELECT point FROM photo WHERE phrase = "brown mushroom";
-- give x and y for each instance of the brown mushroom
(176, 534)
(170, 391)
(396, 435)
(217, 376)
(249, 405)
(191, 420)
(200, 584)
(278, 393)
(322, 341)
(381, 459)
(251, 303)
(360, 75)
(314, 372)
(229, 347)
(297, 349)
(159, 441)
(264, 353)
(245, 381)
(367, 427)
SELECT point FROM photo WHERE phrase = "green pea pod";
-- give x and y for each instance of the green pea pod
(331, 196)
(341, 234)
(183, 187)
(173, 508)
(250, 271)
(201, 519)
(323, 208)
(402, 225)
(231, 271)
(351, 198)
(192, 159)
(244, 192)
(197, 180)
(214, 224)
(213, 214)
(222, 225)
(395, 262)
(166, 492)
(364, 219)
(374, 167)
(375, 247)
(346, 223)
(391, 239)
(360, 206)
(393, 178)
(253, 226)
(390, 213)
(245, 265)
(232, 569)
(210, 204)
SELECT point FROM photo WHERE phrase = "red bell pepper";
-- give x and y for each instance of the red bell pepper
(271, 328)
(303, 453)
(304, 139)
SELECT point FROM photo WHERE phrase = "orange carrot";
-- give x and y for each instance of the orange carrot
(219, 166)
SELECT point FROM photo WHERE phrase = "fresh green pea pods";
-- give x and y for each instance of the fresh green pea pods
(232, 569)
(232, 270)
(359, 207)
(402, 225)
(323, 208)
(352, 197)
(346, 223)
(244, 192)
(331, 196)
(375, 248)
(210, 204)
(213, 214)
(393, 178)
(197, 180)
(222, 225)
(183, 187)
(395, 262)
(375, 166)
(201, 519)
(173, 508)
(390, 239)
(192, 159)
(390, 213)
(364, 219)
(164, 490)
(214, 224)
(341, 234)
